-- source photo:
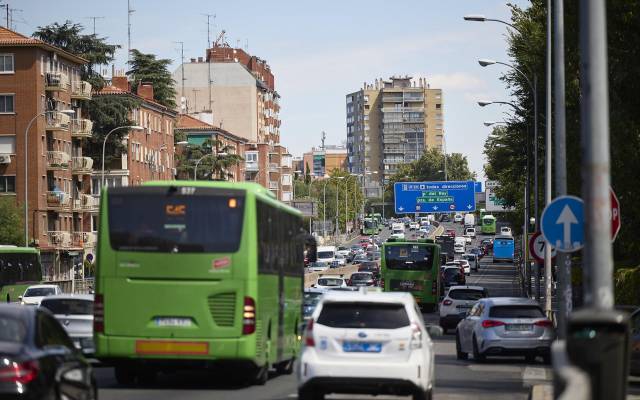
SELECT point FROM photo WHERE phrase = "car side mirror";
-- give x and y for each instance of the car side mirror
(434, 330)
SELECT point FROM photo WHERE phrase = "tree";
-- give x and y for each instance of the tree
(147, 68)
(307, 174)
(11, 223)
(69, 37)
(216, 159)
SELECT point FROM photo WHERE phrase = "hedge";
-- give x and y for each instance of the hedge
(627, 286)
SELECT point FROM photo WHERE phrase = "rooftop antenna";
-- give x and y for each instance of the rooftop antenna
(94, 23)
(129, 12)
(210, 80)
(246, 46)
(324, 137)
(182, 73)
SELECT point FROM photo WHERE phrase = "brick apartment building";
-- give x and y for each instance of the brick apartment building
(197, 132)
(150, 151)
(37, 83)
(270, 164)
(322, 161)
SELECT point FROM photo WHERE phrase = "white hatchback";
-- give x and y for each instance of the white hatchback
(456, 302)
(367, 342)
(330, 282)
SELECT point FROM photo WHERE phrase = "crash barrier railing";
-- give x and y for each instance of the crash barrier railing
(570, 382)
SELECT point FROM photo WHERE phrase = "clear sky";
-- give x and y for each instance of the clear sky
(320, 51)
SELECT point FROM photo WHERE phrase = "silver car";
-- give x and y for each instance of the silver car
(75, 314)
(505, 326)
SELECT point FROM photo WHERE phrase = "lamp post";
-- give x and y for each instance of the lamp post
(104, 146)
(195, 170)
(324, 208)
(26, 168)
(337, 230)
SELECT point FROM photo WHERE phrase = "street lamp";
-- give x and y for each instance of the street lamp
(482, 18)
(490, 123)
(104, 145)
(195, 170)
(26, 168)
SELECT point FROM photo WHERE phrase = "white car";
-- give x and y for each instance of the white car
(343, 251)
(367, 342)
(456, 302)
(471, 232)
(75, 314)
(459, 248)
(467, 239)
(464, 263)
(330, 282)
(505, 230)
(318, 266)
(35, 293)
(414, 226)
(339, 260)
(457, 218)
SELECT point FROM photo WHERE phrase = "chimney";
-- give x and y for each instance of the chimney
(200, 59)
(145, 90)
(193, 60)
(120, 82)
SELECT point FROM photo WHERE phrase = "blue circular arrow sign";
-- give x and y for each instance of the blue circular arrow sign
(562, 223)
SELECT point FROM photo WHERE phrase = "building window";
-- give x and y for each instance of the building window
(438, 106)
(6, 103)
(7, 184)
(251, 157)
(7, 144)
(6, 64)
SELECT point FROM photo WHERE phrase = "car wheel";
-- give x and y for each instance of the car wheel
(261, 375)
(460, 355)
(147, 377)
(419, 394)
(479, 357)
(125, 375)
(306, 394)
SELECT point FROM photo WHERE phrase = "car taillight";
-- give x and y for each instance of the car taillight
(447, 302)
(19, 372)
(382, 283)
(416, 337)
(308, 337)
(249, 316)
(545, 323)
(489, 323)
(98, 314)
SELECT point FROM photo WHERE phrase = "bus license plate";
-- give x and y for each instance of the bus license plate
(518, 327)
(361, 347)
(181, 322)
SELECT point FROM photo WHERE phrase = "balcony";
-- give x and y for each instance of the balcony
(413, 120)
(251, 166)
(81, 128)
(81, 90)
(82, 165)
(84, 239)
(56, 121)
(273, 167)
(88, 202)
(393, 161)
(58, 160)
(57, 200)
(59, 238)
(56, 82)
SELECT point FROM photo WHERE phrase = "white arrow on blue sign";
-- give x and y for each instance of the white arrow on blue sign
(562, 223)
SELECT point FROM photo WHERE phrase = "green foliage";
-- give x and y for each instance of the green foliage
(215, 161)
(69, 37)
(11, 222)
(147, 68)
(108, 112)
(627, 286)
(307, 175)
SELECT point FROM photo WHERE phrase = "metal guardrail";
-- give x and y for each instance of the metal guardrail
(570, 382)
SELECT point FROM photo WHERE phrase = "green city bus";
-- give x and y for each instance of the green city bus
(369, 227)
(412, 266)
(19, 268)
(488, 225)
(378, 218)
(195, 275)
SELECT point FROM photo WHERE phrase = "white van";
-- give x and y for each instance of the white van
(459, 246)
(326, 254)
(469, 220)
(397, 231)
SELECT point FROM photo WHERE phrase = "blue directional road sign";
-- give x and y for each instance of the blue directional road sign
(478, 187)
(434, 197)
(562, 223)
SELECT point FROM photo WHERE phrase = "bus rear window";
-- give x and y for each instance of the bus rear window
(174, 220)
(410, 257)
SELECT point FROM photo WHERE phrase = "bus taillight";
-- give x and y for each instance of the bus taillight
(249, 316)
(98, 314)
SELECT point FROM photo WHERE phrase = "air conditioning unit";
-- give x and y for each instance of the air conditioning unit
(5, 159)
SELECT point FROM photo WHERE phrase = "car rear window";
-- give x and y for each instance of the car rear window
(466, 294)
(363, 315)
(360, 277)
(451, 272)
(516, 312)
(68, 306)
(37, 292)
(329, 282)
(12, 330)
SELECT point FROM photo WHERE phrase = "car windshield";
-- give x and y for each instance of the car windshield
(68, 306)
(363, 315)
(411, 257)
(361, 277)
(330, 281)
(369, 224)
(12, 329)
(466, 294)
(39, 292)
(516, 312)
(326, 254)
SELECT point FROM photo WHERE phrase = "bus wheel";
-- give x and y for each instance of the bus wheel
(125, 375)
(261, 375)
(285, 367)
(429, 308)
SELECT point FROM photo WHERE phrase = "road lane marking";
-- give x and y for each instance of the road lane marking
(532, 375)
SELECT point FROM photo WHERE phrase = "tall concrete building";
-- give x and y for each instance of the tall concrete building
(391, 123)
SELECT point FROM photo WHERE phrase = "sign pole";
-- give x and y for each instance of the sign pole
(547, 163)
(563, 259)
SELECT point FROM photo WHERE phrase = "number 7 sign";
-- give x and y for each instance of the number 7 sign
(536, 247)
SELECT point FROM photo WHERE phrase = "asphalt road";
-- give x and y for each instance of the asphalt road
(500, 378)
